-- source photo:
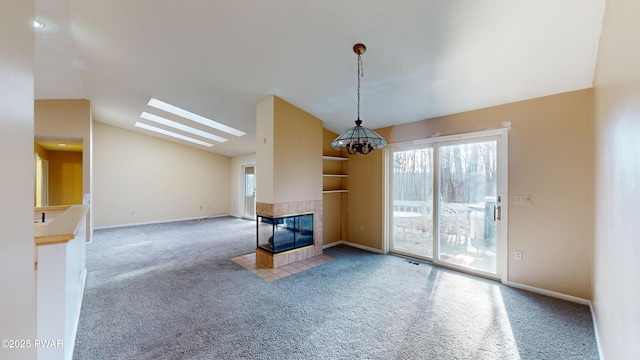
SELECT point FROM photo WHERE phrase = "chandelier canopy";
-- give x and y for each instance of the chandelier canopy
(359, 140)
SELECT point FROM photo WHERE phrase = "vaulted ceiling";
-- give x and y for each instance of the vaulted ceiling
(219, 58)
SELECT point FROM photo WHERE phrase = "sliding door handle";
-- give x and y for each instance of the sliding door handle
(497, 213)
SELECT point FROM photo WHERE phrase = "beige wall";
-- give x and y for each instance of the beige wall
(142, 179)
(65, 177)
(236, 183)
(41, 151)
(265, 150)
(292, 145)
(550, 158)
(17, 282)
(289, 168)
(366, 204)
(297, 154)
(617, 184)
(327, 138)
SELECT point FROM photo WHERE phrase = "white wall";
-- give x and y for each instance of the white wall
(236, 183)
(142, 179)
(617, 182)
(17, 275)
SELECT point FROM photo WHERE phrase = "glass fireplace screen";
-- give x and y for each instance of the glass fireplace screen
(276, 235)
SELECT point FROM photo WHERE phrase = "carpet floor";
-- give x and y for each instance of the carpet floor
(170, 291)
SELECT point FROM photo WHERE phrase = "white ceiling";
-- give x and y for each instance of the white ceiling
(219, 58)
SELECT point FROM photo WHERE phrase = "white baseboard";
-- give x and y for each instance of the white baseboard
(533, 289)
(357, 246)
(158, 222)
(76, 320)
(335, 243)
(553, 294)
(568, 298)
(595, 329)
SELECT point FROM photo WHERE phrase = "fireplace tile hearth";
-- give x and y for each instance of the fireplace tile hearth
(248, 262)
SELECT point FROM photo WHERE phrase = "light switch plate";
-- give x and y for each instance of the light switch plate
(523, 199)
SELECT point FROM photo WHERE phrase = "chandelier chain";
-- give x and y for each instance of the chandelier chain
(360, 74)
(359, 140)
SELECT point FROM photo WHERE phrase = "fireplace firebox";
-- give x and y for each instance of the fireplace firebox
(276, 235)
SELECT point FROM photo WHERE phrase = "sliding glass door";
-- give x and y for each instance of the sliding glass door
(467, 208)
(412, 199)
(445, 201)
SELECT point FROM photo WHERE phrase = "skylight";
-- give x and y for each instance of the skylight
(172, 134)
(185, 128)
(194, 117)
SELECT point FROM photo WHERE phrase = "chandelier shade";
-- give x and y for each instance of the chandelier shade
(359, 140)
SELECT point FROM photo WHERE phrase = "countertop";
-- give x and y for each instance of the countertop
(63, 227)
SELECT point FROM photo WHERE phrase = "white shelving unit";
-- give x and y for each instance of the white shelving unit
(335, 185)
(330, 186)
(335, 158)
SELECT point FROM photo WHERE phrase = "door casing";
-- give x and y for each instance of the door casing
(502, 184)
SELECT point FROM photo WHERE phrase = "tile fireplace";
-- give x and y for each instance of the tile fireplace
(288, 232)
(276, 235)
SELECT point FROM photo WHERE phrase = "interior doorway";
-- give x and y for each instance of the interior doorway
(41, 181)
(445, 197)
(249, 191)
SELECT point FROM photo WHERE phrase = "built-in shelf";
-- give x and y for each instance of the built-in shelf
(335, 185)
(335, 175)
(334, 158)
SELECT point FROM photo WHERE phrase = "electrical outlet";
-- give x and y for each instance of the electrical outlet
(523, 199)
(517, 255)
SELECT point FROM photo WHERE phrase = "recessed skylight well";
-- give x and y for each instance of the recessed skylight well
(185, 128)
(172, 134)
(158, 104)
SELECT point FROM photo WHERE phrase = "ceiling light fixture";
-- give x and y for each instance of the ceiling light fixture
(194, 117)
(38, 24)
(359, 140)
(185, 128)
(172, 134)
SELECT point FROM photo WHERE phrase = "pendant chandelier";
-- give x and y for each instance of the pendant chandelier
(359, 140)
